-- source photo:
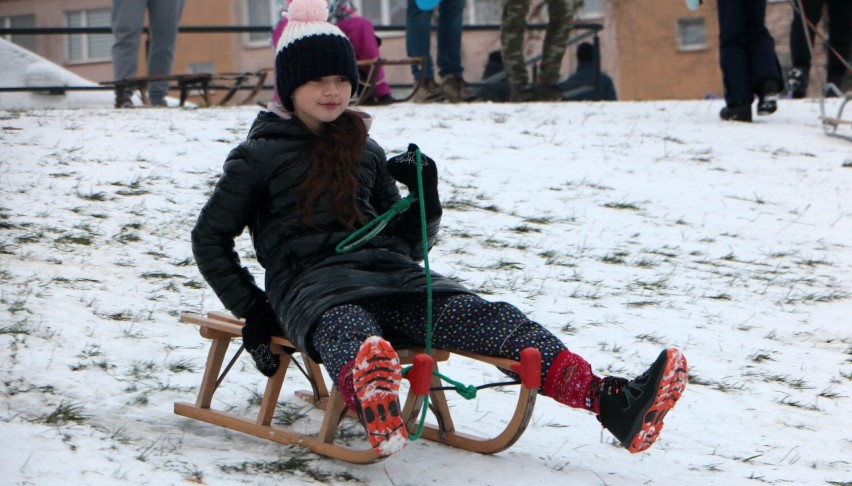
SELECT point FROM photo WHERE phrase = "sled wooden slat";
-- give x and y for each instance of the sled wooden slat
(371, 67)
(222, 327)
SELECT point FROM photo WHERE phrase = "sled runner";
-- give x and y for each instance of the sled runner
(830, 124)
(222, 327)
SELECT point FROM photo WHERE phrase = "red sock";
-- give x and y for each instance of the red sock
(346, 386)
(570, 381)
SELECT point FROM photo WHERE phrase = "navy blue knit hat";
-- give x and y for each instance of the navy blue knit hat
(310, 48)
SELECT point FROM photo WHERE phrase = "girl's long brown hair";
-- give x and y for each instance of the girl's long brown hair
(334, 158)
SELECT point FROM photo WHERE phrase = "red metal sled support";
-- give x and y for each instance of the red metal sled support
(222, 327)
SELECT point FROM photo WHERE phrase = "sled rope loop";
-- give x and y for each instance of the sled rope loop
(371, 229)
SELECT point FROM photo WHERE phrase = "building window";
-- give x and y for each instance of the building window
(88, 47)
(382, 12)
(201, 67)
(20, 22)
(591, 9)
(260, 12)
(691, 34)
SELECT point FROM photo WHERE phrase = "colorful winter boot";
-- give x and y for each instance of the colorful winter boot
(377, 375)
(633, 411)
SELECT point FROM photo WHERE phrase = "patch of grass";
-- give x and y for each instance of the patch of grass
(525, 228)
(92, 196)
(16, 329)
(72, 239)
(642, 303)
(160, 275)
(651, 338)
(182, 365)
(622, 205)
(760, 356)
(117, 316)
(797, 404)
(64, 413)
(616, 258)
(287, 414)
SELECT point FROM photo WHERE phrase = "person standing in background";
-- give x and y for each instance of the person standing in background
(128, 18)
(587, 75)
(838, 45)
(560, 14)
(418, 39)
(747, 57)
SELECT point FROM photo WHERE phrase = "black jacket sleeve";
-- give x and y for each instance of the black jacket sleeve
(224, 217)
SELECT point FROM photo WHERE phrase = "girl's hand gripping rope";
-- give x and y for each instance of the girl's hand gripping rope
(403, 168)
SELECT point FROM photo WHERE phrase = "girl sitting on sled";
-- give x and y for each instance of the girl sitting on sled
(307, 176)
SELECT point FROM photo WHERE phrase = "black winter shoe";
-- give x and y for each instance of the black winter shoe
(634, 410)
(736, 113)
(767, 96)
(797, 82)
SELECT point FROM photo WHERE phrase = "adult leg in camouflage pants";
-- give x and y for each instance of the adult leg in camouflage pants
(560, 18)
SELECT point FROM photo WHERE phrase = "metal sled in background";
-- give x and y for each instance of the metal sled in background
(831, 124)
(221, 328)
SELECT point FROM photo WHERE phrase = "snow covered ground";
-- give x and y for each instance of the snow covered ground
(623, 227)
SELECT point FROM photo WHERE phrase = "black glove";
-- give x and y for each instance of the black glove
(403, 168)
(261, 325)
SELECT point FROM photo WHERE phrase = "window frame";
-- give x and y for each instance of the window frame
(262, 39)
(86, 39)
(25, 41)
(680, 29)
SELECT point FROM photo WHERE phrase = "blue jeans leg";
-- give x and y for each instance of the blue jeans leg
(418, 38)
(450, 15)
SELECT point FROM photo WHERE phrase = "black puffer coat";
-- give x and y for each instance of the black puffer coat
(304, 275)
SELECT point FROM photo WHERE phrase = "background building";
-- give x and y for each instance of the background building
(653, 49)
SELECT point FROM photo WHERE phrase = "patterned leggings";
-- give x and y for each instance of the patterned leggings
(460, 322)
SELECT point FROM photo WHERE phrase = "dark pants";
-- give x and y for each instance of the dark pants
(746, 50)
(461, 322)
(839, 35)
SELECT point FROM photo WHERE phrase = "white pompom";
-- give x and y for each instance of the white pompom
(308, 11)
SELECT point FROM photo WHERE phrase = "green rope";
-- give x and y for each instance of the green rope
(371, 229)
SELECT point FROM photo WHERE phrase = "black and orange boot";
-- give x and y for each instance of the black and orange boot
(377, 375)
(634, 410)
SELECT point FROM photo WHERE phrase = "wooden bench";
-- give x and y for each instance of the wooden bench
(221, 328)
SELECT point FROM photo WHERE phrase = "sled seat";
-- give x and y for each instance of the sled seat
(221, 328)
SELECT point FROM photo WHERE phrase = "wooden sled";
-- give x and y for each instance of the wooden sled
(202, 83)
(221, 328)
(830, 124)
(369, 69)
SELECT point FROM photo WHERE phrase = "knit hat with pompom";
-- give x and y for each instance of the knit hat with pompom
(310, 48)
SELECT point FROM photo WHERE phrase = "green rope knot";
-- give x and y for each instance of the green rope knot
(468, 392)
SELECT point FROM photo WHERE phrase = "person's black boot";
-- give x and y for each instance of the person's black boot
(633, 411)
(738, 112)
(767, 96)
(797, 82)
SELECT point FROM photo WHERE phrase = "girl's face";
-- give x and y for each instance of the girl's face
(321, 100)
